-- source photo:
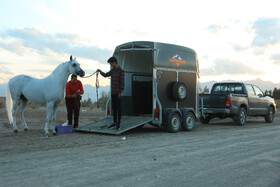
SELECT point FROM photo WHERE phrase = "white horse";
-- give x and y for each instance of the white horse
(49, 90)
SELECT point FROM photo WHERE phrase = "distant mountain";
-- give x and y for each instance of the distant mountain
(3, 90)
(264, 85)
(90, 91)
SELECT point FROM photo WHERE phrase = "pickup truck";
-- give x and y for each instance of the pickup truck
(236, 100)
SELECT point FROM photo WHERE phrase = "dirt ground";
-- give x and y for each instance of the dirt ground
(217, 154)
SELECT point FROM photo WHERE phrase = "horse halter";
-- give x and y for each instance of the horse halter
(80, 72)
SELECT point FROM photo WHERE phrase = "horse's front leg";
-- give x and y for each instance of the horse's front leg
(55, 107)
(49, 113)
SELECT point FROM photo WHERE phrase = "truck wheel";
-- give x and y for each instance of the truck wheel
(240, 118)
(188, 122)
(179, 91)
(270, 115)
(205, 120)
(174, 123)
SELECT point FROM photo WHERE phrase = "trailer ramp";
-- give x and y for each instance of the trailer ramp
(127, 123)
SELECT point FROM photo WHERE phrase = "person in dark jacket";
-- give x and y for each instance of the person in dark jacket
(117, 87)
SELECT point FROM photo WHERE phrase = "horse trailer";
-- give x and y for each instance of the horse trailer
(161, 88)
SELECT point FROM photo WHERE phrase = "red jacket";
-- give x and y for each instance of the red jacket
(70, 88)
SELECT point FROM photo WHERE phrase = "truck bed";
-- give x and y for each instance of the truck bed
(213, 100)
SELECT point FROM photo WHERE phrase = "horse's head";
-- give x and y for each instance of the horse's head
(75, 68)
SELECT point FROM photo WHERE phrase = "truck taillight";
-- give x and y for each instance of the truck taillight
(156, 113)
(108, 111)
(228, 102)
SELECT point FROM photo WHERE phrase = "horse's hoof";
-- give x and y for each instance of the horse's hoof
(15, 131)
(26, 129)
(54, 133)
(47, 134)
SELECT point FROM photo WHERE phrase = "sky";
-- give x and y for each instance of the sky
(236, 40)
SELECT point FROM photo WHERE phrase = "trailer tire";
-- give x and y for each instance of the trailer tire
(240, 118)
(179, 91)
(173, 123)
(188, 122)
(270, 115)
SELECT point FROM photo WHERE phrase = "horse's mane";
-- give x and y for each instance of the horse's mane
(58, 70)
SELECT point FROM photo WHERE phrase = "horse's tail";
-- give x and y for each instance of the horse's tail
(9, 104)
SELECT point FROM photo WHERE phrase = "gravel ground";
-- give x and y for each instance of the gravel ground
(217, 154)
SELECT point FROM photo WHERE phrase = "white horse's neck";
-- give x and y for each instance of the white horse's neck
(60, 74)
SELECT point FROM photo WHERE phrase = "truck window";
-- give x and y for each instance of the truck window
(258, 91)
(238, 89)
(228, 88)
(217, 89)
(224, 88)
(231, 88)
(250, 89)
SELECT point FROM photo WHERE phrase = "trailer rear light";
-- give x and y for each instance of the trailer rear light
(156, 113)
(108, 111)
(228, 102)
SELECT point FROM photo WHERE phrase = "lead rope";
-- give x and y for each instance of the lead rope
(89, 75)
(97, 86)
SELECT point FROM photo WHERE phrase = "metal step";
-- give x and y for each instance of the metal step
(127, 123)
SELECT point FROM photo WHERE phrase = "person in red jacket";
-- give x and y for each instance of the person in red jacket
(74, 90)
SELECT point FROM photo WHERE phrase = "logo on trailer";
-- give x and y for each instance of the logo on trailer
(176, 59)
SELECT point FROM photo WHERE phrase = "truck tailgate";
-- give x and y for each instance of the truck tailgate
(213, 100)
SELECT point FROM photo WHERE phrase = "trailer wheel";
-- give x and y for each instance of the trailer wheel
(188, 122)
(173, 123)
(270, 115)
(179, 91)
(240, 118)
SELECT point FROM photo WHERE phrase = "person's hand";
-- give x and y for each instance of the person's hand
(74, 96)
(79, 92)
(120, 95)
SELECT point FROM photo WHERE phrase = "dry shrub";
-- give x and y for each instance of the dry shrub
(277, 103)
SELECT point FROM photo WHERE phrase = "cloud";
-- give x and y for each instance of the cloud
(229, 67)
(18, 40)
(239, 48)
(275, 58)
(5, 71)
(266, 32)
(215, 28)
